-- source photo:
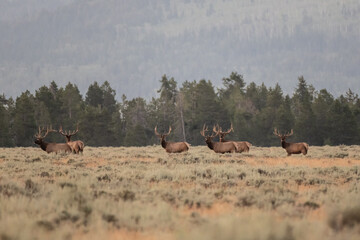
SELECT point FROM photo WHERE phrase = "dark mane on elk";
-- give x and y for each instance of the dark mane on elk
(76, 146)
(243, 146)
(171, 147)
(292, 148)
(50, 147)
(218, 147)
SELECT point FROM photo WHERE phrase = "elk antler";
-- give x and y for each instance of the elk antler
(276, 132)
(289, 134)
(204, 129)
(217, 129)
(169, 131)
(228, 131)
(162, 135)
(216, 133)
(283, 135)
(38, 135)
(156, 132)
(68, 133)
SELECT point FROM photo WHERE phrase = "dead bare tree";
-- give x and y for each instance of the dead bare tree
(243, 146)
(218, 147)
(50, 147)
(76, 146)
(292, 148)
(171, 147)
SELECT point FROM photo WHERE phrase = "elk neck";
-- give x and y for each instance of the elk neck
(284, 144)
(210, 144)
(68, 139)
(43, 145)
(163, 143)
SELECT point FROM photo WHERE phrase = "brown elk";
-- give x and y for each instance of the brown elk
(50, 147)
(171, 147)
(292, 148)
(218, 147)
(243, 146)
(76, 146)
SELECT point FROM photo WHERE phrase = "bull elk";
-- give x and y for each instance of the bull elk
(243, 146)
(292, 148)
(171, 147)
(50, 147)
(218, 147)
(76, 146)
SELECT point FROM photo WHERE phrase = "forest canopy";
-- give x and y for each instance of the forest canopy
(316, 116)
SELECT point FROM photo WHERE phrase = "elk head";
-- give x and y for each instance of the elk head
(208, 138)
(39, 136)
(68, 134)
(162, 136)
(222, 134)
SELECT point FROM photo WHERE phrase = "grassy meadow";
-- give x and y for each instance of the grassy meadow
(146, 193)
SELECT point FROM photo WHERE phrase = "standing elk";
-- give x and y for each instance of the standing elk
(243, 146)
(76, 146)
(292, 148)
(50, 147)
(218, 147)
(171, 147)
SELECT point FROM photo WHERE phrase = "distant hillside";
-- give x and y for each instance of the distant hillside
(132, 44)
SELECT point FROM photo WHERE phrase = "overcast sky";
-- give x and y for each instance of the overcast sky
(132, 44)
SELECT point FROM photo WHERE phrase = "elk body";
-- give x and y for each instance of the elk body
(243, 146)
(76, 146)
(292, 148)
(50, 147)
(218, 147)
(171, 147)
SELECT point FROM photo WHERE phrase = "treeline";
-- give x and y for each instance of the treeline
(317, 117)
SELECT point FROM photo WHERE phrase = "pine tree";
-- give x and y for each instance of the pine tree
(284, 118)
(48, 105)
(136, 136)
(167, 112)
(135, 122)
(257, 95)
(233, 93)
(321, 106)
(109, 101)
(270, 116)
(201, 106)
(5, 134)
(94, 96)
(304, 116)
(101, 117)
(24, 120)
(72, 102)
(343, 123)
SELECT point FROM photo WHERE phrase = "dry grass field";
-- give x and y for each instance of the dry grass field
(145, 193)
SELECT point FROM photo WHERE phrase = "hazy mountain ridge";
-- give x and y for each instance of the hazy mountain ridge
(132, 44)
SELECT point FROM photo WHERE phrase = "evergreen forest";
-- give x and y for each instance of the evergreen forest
(316, 116)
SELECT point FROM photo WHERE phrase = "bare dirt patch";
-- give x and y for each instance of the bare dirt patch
(306, 162)
(95, 162)
(137, 159)
(217, 209)
(127, 234)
